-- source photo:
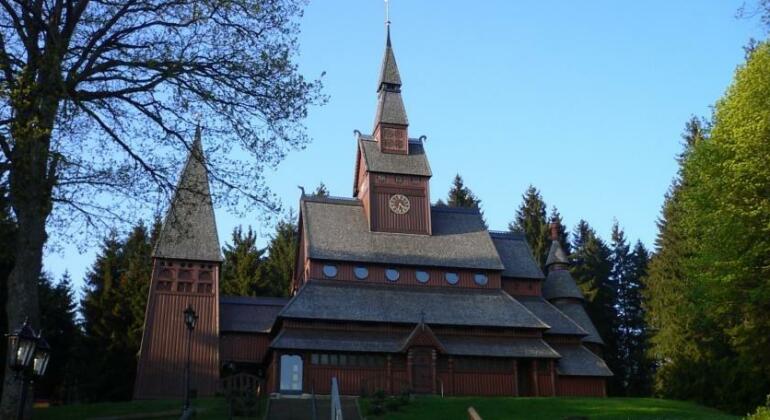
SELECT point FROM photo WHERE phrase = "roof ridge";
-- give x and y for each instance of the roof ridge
(332, 199)
(505, 234)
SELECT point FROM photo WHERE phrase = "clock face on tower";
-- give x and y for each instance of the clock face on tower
(399, 204)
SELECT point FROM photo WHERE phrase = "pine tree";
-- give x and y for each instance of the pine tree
(563, 233)
(242, 271)
(58, 323)
(321, 190)
(639, 367)
(531, 221)
(114, 298)
(621, 271)
(281, 258)
(591, 270)
(461, 196)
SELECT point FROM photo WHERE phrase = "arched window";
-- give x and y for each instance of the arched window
(291, 373)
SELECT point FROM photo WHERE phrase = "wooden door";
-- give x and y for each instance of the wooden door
(524, 378)
(422, 370)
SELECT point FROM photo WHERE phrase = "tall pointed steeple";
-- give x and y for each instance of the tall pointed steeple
(390, 122)
(189, 230)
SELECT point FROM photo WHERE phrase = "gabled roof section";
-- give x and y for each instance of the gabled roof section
(422, 335)
(560, 323)
(579, 361)
(559, 284)
(338, 301)
(249, 314)
(576, 312)
(516, 255)
(414, 163)
(338, 230)
(189, 230)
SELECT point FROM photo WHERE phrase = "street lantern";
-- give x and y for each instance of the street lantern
(21, 347)
(190, 317)
(42, 355)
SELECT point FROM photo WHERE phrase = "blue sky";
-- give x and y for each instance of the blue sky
(585, 100)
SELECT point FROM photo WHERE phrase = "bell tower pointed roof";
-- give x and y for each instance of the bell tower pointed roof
(390, 105)
(389, 71)
(189, 230)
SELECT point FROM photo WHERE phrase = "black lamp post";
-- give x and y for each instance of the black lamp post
(190, 319)
(27, 350)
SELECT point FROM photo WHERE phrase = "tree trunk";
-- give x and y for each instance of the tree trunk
(22, 298)
(31, 182)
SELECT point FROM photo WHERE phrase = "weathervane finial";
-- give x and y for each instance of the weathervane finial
(387, 14)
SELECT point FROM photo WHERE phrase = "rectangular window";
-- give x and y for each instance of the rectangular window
(333, 360)
(324, 359)
(314, 358)
(343, 360)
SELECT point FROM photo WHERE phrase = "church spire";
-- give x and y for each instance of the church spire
(390, 122)
(189, 230)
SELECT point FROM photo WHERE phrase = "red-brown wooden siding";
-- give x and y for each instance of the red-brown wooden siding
(407, 275)
(160, 372)
(580, 386)
(415, 188)
(249, 348)
(521, 287)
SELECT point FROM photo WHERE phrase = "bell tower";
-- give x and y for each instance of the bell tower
(186, 264)
(390, 122)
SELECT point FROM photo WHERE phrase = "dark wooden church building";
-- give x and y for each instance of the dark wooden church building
(389, 292)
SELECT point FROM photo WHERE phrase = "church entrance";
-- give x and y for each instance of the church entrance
(291, 374)
(422, 370)
(524, 378)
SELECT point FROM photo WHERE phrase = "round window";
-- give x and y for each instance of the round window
(452, 278)
(330, 270)
(481, 279)
(422, 276)
(391, 274)
(361, 272)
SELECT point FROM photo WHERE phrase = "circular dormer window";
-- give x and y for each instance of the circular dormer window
(392, 274)
(452, 278)
(422, 276)
(361, 272)
(330, 271)
(481, 279)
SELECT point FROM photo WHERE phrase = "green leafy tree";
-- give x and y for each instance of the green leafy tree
(242, 270)
(532, 222)
(98, 99)
(281, 258)
(720, 220)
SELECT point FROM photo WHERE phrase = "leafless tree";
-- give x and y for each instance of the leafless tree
(99, 98)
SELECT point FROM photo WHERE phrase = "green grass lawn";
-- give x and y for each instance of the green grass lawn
(551, 409)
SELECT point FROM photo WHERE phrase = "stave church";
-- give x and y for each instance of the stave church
(388, 293)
